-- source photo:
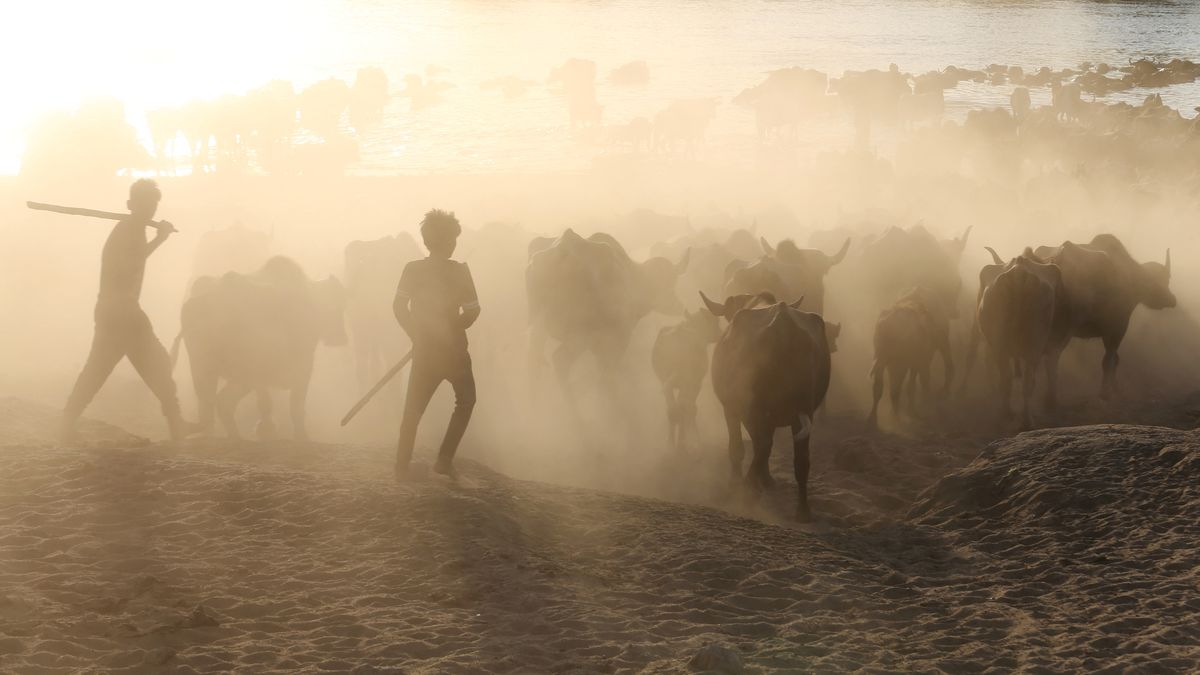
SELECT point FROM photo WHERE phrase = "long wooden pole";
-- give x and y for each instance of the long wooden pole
(387, 377)
(93, 213)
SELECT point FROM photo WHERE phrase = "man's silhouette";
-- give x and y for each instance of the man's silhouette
(122, 328)
(435, 304)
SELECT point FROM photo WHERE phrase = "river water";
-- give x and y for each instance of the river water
(151, 54)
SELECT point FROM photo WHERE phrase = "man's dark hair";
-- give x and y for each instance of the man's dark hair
(439, 223)
(144, 188)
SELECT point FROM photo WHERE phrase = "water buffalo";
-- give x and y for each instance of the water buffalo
(907, 335)
(588, 294)
(1023, 317)
(1103, 286)
(908, 258)
(257, 332)
(680, 361)
(787, 271)
(770, 369)
(372, 272)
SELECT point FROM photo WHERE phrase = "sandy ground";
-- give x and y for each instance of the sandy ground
(1066, 549)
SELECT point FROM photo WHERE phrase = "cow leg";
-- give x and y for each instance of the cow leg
(227, 401)
(536, 357)
(266, 415)
(1004, 377)
(737, 449)
(689, 430)
(297, 399)
(800, 462)
(896, 375)
(672, 416)
(1108, 383)
(927, 397)
(943, 345)
(1051, 365)
(204, 381)
(1028, 382)
(762, 436)
(877, 394)
(565, 357)
(972, 349)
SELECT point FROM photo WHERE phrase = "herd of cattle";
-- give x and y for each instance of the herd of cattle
(762, 312)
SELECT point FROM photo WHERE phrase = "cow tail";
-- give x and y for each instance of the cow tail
(805, 428)
(175, 347)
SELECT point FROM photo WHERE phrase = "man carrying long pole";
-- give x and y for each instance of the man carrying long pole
(122, 328)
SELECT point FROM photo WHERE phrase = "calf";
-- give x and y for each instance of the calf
(680, 361)
(1023, 317)
(907, 335)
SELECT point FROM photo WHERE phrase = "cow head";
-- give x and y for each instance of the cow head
(818, 262)
(329, 296)
(1155, 291)
(660, 275)
(736, 303)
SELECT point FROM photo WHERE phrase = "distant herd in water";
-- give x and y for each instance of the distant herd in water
(277, 129)
(753, 326)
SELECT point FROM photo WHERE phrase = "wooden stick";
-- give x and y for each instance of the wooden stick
(387, 377)
(93, 213)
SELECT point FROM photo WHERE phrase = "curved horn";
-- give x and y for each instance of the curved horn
(995, 256)
(966, 234)
(796, 304)
(837, 257)
(681, 266)
(762, 241)
(1168, 263)
(716, 308)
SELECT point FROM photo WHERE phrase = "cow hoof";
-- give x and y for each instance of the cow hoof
(803, 515)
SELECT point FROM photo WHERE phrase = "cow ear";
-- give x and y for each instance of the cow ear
(715, 308)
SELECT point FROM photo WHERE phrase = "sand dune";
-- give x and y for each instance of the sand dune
(1064, 549)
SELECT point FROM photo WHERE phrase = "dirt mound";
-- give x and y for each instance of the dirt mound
(24, 422)
(1089, 534)
(1114, 476)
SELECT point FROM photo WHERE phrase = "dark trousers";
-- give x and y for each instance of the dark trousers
(427, 374)
(124, 332)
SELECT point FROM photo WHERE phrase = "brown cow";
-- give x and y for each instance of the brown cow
(1023, 316)
(907, 335)
(680, 361)
(770, 369)
(1103, 286)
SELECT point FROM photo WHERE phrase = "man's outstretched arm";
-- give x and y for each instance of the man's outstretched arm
(163, 233)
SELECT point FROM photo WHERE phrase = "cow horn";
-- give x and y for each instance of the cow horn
(716, 308)
(682, 265)
(841, 254)
(966, 234)
(1168, 264)
(796, 304)
(995, 256)
(766, 246)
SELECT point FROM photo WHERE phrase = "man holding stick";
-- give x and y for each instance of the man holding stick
(122, 328)
(435, 304)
